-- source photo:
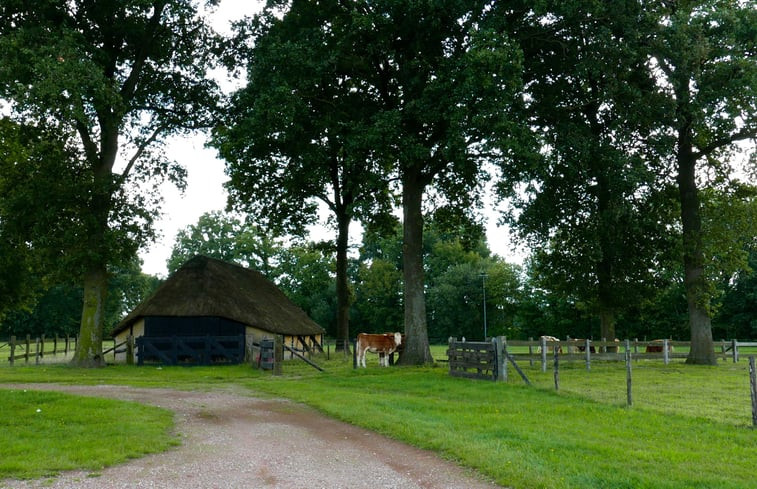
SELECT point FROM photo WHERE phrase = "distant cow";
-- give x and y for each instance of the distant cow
(383, 344)
(550, 347)
(656, 346)
(581, 346)
(596, 349)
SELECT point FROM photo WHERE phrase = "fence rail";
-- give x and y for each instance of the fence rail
(36, 349)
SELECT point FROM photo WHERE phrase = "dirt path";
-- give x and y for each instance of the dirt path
(230, 440)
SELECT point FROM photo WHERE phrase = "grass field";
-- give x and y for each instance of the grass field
(47, 432)
(689, 426)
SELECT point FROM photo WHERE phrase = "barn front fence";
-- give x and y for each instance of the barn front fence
(191, 350)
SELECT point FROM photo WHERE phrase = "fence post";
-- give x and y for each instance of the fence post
(665, 355)
(629, 395)
(504, 357)
(543, 354)
(12, 342)
(499, 357)
(587, 345)
(37, 355)
(557, 371)
(734, 347)
(28, 341)
(278, 353)
(753, 389)
(530, 352)
(130, 350)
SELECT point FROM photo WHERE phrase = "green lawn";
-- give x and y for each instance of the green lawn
(689, 426)
(47, 432)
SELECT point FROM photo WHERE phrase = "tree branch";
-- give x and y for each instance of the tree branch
(137, 154)
(745, 133)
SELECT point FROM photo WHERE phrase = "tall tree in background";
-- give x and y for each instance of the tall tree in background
(116, 78)
(446, 75)
(300, 133)
(226, 238)
(703, 55)
(591, 206)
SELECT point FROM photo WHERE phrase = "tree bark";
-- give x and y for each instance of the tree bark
(90, 345)
(342, 286)
(697, 296)
(416, 350)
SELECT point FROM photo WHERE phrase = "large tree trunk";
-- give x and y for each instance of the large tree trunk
(416, 350)
(697, 295)
(89, 348)
(342, 286)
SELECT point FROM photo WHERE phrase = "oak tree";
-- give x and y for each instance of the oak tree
(116, 78)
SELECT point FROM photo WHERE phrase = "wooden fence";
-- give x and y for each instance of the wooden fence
(191, 350)
(36, 349)
(588, 351)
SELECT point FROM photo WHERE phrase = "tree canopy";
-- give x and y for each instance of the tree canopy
(113, 79)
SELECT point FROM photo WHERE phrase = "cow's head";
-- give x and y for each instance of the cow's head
(397, 338)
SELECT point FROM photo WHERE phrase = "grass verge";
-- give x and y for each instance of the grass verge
(48, 432)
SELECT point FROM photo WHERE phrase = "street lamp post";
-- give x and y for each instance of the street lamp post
(483, 284)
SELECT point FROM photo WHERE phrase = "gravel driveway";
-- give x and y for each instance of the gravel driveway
(231, 440)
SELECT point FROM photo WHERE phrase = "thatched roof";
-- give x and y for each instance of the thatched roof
(208, 287)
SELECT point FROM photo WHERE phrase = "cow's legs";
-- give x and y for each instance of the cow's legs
(361, 356)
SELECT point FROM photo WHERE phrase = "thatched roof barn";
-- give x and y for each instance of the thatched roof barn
(209, 297)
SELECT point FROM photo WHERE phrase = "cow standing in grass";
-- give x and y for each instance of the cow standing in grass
(550, 339)
(383, 344)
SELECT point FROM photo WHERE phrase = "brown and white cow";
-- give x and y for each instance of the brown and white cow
(656, 346)
(550, 339)
(383, 344)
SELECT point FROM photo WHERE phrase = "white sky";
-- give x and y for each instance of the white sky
(205, 178)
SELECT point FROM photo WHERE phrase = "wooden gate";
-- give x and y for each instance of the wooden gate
(191, 350)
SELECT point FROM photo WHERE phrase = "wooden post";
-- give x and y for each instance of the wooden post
(665, 355)
(504, 357)
(557, 371)
(28, 341)
(530, 352)
(12, 343)
(278, 353)
(735, 348)
(753, 389)
(587, 345)
(130, 350)
(354, 354)
(543, 354)
(500, 364)
(42, 348)
(603, 348)
(37, 353)
(629, 394)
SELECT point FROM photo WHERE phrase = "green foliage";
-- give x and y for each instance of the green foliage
(226, 238)
(46, 432)
(306, 275)
(56, 311)
(111, 79)
(737, 311)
